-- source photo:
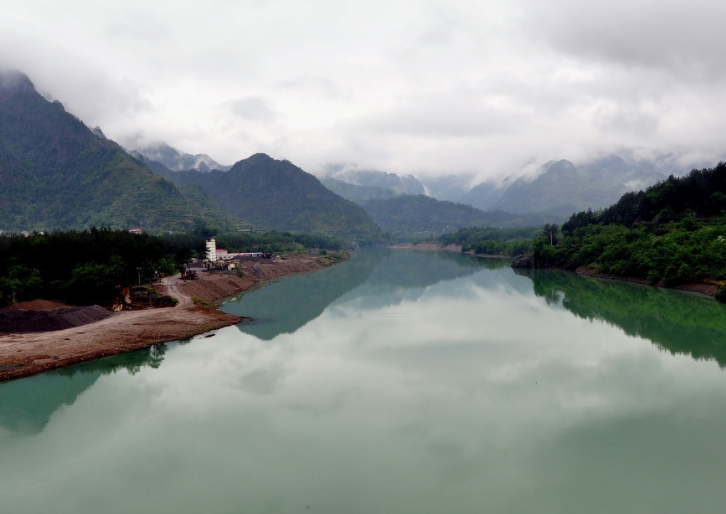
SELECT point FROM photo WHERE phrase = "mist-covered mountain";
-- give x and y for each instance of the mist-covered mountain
(410, 215)
(278, 195)
(55, 173)
(401, 184)
(358, 194)
(563, 188)
(176, 160)
(447, 187)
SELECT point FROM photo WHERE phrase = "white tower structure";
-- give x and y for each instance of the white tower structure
(212, 250)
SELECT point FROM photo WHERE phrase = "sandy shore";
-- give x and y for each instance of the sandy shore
(22, 355)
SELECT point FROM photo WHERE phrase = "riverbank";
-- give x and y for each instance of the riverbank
(28, 354)
(707, 289)
(428, 247)
(433, 247)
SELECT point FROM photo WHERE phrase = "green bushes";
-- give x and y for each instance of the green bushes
(198, 301)
(492, 241)
(669, 254)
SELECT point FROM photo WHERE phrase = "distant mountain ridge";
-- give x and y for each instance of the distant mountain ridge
(411, 215)
(278, 195)
(358, 194)
(55, 173)
(176, 160)
(564, 188)
(401, 184)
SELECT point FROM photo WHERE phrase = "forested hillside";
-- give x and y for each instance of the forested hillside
(671, 233)
(278, 195)
(55, 173)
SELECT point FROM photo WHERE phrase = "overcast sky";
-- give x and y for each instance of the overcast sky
(425, 87)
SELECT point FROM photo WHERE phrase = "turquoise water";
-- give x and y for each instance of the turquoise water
(398, 382)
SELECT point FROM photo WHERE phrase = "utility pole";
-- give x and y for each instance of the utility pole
(138, 271)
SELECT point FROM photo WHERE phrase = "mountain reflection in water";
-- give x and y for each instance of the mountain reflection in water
(287, 305)
(678, 322)
(26, 405)
(402, 382)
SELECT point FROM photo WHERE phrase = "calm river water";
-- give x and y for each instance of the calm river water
(398, 382)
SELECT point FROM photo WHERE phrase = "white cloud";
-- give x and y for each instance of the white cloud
(418, 86)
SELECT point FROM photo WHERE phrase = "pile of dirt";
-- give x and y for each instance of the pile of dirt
(18, 321)
(36, 305)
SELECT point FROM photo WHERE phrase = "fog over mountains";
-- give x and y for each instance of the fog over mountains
(56, 173)
(176, 160)
(559, 187)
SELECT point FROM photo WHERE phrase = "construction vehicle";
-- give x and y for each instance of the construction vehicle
(189, 275)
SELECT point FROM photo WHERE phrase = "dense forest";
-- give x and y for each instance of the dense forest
(673, 232)
(87, 267)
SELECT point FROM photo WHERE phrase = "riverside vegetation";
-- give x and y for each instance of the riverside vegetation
(672, 233)
(87, 267)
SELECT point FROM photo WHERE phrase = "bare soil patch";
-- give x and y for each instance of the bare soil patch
(20, 321)
(36, 305)
(24, 354)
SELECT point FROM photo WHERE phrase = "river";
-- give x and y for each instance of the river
(397, 382)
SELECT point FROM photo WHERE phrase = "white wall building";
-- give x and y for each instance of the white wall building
(212, 250)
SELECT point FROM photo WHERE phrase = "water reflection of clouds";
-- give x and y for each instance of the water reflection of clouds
(467, 396)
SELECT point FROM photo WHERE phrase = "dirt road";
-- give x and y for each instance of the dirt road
(27, 354)
(171, 286)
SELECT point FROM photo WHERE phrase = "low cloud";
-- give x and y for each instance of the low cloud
(253, 108)
(423, 86)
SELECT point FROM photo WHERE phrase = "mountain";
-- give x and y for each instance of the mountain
(447, 187)
(409, 215)
(563, 188)
(177, 161)
(278, 195)
(357, 194)
(402, 184)
(55, 173)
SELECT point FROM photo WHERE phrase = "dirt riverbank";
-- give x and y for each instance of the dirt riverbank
(22, 355)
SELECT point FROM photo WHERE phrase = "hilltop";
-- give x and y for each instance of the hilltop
(276, 194)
